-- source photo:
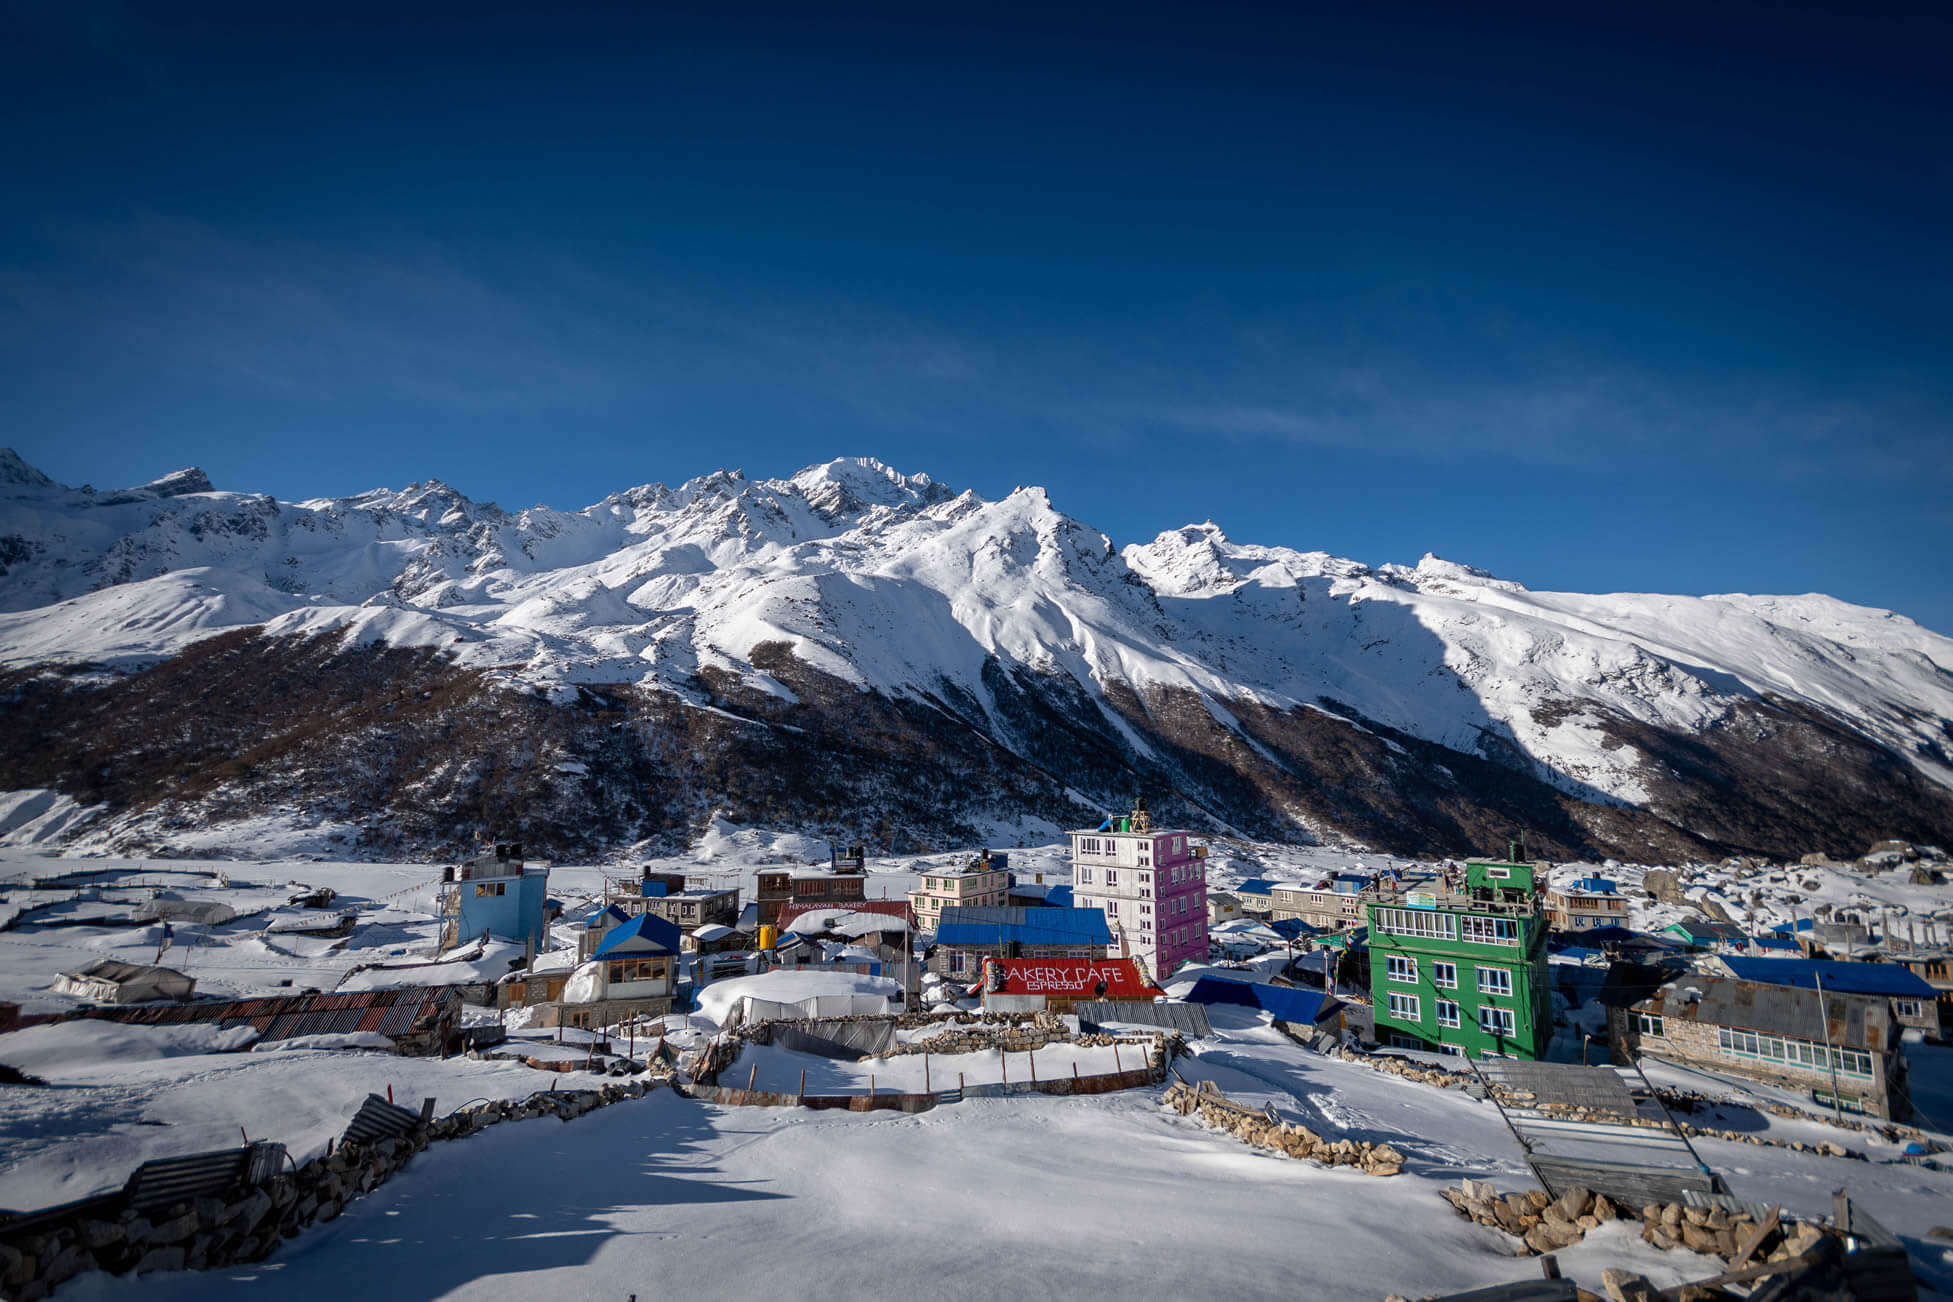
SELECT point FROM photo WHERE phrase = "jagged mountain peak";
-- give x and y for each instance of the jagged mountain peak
(901, 588)
(180, 483)
(16, 473)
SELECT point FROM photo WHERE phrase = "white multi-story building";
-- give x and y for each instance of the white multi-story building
(1151, 885)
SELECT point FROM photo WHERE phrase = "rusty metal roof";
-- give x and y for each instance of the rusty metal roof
(281, 1017)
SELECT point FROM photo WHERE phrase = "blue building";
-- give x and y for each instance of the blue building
(498, 895)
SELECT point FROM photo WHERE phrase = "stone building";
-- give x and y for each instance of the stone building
(1835, 1046)
(1586, 903)
(982, 882)
(1332, 904)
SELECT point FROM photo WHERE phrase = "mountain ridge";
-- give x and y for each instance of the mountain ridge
(1246, 676)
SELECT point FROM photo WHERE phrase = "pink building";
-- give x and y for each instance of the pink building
(1151, 884)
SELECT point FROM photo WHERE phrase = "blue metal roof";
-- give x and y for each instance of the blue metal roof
(608, 916)
(1296, 1006)
(1594, 886)
(1255, 886)
(647, 933)
(1791, 928)
(1840, 978)
(1045, 926)
(1058, 897)
(1292, 928)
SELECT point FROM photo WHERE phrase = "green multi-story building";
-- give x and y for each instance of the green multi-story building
(1463, 971)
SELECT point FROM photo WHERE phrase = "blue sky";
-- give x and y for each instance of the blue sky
(1643, 300)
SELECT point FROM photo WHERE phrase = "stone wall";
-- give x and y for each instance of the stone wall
(1266, 1130)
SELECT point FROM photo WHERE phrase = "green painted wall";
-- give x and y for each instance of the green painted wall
(1530, 1000)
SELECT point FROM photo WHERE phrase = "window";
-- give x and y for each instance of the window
(1497, 1021)
(959, 962)
(1447, 1013)
(1906, 1007)
(1495, 981)
(1145, 879)
(490, 888)
(1648, 1024)
(1445, 974)
(1111, 877)
(1145, 908)
(1418, 922)
(1491, 931)
(1084, 876)
(1401, 967)
(1795, 1053)
(1497, 872)
(1405, 1007)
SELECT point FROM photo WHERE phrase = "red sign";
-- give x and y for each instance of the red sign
(1074, 978)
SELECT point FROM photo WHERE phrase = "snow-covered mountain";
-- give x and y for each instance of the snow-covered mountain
(1258, 687)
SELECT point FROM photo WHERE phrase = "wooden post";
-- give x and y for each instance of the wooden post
(871, 1088)
(1003, 1060)
(752, 1076)
(802, 1097)
(1117, 1065)
(925, 1075)
(1074, 1070)
(1032, 1056)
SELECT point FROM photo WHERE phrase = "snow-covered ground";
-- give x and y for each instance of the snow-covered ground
(118, 1096)
(1059, 1196)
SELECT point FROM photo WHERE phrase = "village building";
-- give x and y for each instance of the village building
(666, 895)
(1293, 1009)
(1150, 883)
(1935, 968)
(1705, 937)
(1834, 1048)
(967, 936)
(1463, 971)
(633, 972)
(108, 981)
(1223, 906)
(1914, 1001)
(1334, 903)
(1585, 903)
(1257, 897)
(981, 882)
(1057, 985)
(780, 888)
(498, 894)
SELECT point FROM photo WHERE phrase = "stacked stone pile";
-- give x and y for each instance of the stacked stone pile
(1546, 1224)
(1264, 1130)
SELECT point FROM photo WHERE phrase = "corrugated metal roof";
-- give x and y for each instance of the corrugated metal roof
(391, 1012)
(1847, 978)
(1256, 886)
(994, 926)
(1188, 1019)
(1058, 897)
(1286, 1004)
